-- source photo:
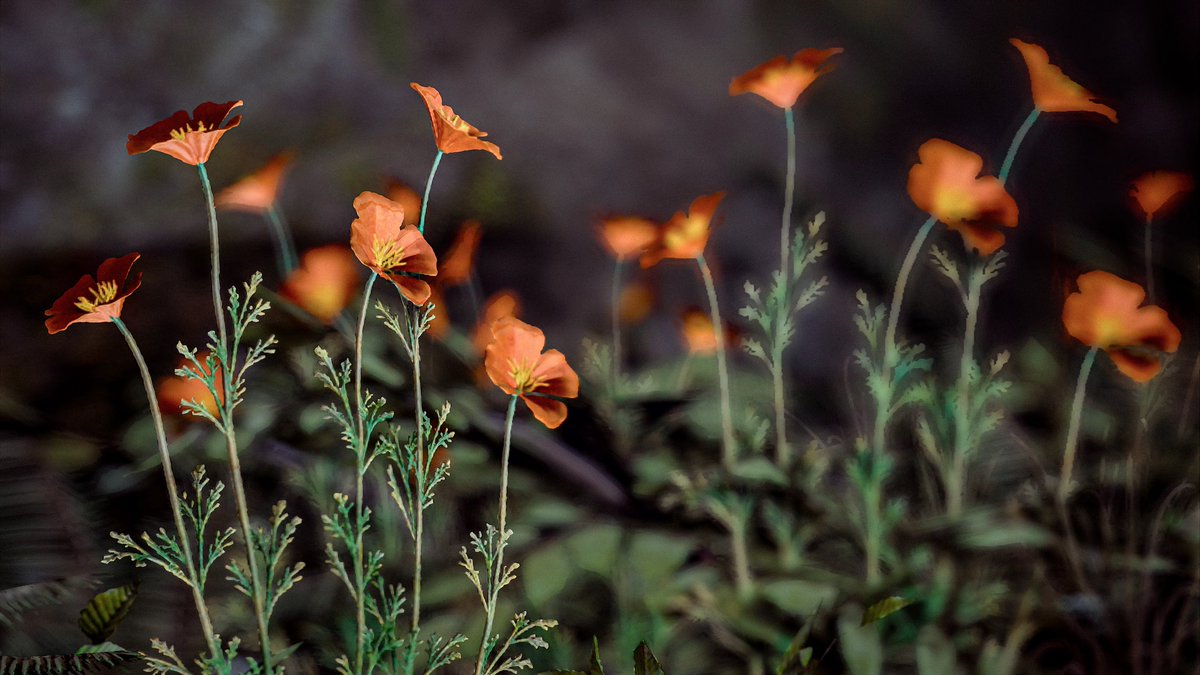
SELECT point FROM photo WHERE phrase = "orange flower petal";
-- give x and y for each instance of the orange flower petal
(325, 283)
(1137, 367)
(627, 236)
(98, 300)
(1105, 313)
(548, 411)
(257, 192)
(452, 133)
(382, 242)
(684, 236)
(698, 333)
(515, 363)
(1155, 191)
(407, 198)
(945, 183)
(457, 263)
(188, 138)
(558, 377)
(501, 305)
(1053, 91)
(780, 81)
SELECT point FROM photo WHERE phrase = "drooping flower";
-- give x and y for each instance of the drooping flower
(188, 138)
(399, 192)
(257, 192)
(685, 235)
(503, 304)
(390, 249)
(456, 266)
(1155, 191)
(452, 133)
(515, 362)
(97, 300)
(1106, 313)
(627, 236)
(781, 81)
(325, 283)
(172, 391)
(1053, 91)
(945, 183)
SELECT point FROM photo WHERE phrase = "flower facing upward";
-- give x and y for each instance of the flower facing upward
(945, 183)
(451, 133)
(504, 304)
(627, 236)
(458, 261)
(257, 192)
(515, 363)
(1154, 191)
(1052, 90)
(172, 391)
(189, 139)
(96, 300)
(1105, 313)
(399, 192)
(684, 236)
(781, 81)
(383, 243)
(325, 282)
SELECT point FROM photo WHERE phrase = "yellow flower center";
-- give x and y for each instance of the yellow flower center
(522, 374)
(690, 230)
(953, 205)
(388, 254)
(180, 134)
(455, 121)
(103, 293)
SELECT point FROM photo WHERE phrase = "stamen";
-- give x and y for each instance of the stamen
(180, 134)
(522, 374)
(388, 254)
(102, 294)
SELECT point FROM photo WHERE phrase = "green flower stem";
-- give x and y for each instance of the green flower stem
(956, 478)
(728, 448)
(428, 186)
(789, 119)
(231, 450)
(741, 560)
(1018, 138)
(1064, 481)
(615, 301)
(782, 453)
(873, 539)
(285, 247)
(359, 470)
(214, 648)
(422, 466)
(498, 568)
(1148, 249)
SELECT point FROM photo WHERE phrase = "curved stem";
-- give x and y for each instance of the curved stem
(615, 301)
(231, 450)
(285, 248)
(1148, 248)
(727, 442)
(789, 118)
(1018, 138)
(359, 470)
(1064, 480)
(164, 454)
(956, 485)
(428, 185)
(498, 568)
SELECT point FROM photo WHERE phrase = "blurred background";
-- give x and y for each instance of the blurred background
(612, 106)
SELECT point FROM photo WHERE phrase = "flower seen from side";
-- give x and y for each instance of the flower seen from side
(945, 183)
(257, 192)
(685, 235)
(1158, 191)
(95, 300)
(781, 81)
(1106, 313)
(517, 365)
(382, 242)
(458, 262)
(627, 236)
(325, 283)
(188, 138)
(1053, 91)
(452, 133)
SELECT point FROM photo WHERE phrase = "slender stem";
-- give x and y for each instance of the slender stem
(164, 453)
(428, 185)
(1018, 138)
(956, 485)
(727, 443)
(874, 526)
(422, 468)
(783, 455)
(1149, 252)
(285, 248)
(1064, 481)
(615, 301)
(789, 118)
(231, 450)
(360, 469)
(498, 568)
(741, 558)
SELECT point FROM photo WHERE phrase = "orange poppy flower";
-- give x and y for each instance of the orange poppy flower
(96, 300)
(627, 236)
(451, 133)
(325, 282)
(515, 363)
(502, 305)
(945, 183)
(684, 236)
(1052, 90)
(698, 333)
(458, 261)
(781, 81)
(189, 139)
(172, 391)
(395, 252)
(1105, 313)
(1156, 190)
(257, 192)
(402, 194)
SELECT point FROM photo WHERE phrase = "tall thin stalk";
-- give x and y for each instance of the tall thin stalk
(285, 247)
(955, 484)
(498, 568)
(360, 610)
(1064, 480)
(1015, 145)
(782, 455)
(235, 465)
(419, 530)
(728, 448)
(164, 453)
(437, 160)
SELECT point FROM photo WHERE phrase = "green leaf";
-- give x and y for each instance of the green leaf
(105, 611)
(83, 663)
(760, 469)
(862, 650)
(799, 596)
(644, 662)
(884, 608)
